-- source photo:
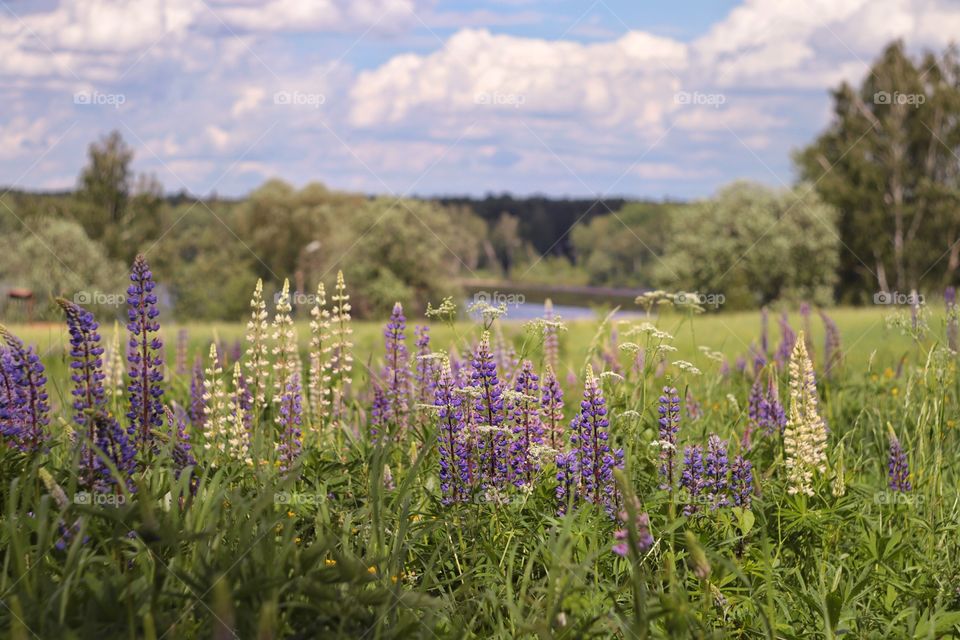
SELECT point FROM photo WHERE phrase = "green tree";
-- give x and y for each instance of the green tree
(754, 245)
(57, 258)
(888, 164)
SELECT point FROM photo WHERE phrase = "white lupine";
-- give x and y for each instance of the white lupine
(237, 436)
(113, 365)
(284, 350)
(805, 437)
(319, 383)
(215, 407)
(257, 361)
(340, 349)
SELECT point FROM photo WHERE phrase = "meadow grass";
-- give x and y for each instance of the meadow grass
(356, 541)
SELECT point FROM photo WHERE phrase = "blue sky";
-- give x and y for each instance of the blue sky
(612, 97)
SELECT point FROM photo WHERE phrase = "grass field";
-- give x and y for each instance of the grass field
(362, 538)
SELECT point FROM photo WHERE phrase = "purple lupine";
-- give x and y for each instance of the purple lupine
(716, 472)
(775, 417)
(740, 364)
(691, 480)
(669, 410)
(456, 460)
(181, 451)
(111, 444)
(644, 540)
(590, 440)
(86, 363)
(691, 406)
(145, 353)
(424, 369)
(397, 372)
(725, 368)
(759, 360)
(527, 427)
(27, 413)
(756, 412)
(953, 322)
(787, 339)
(379, 414)
(831, 346)
(898, 468)
(290, 418)
(488, 412)
(551, 408)
(182, 339)
(567, 475)
(197, 411)
(741, 482)
(10, 397)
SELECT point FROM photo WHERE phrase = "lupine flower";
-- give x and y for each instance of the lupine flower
(237, 437)
(10, 401)
(756, 412)
(898, 469)
(488, 410)
(741, 482)
(181, 352)
(197, 412)
(284, 343)
(424, 367)
(740, 364)
(805, 438)
(113, 443)
(397, 370)
(454, 445)
(86, 363)
(341, 347)
(145, 353)
(716, 472)
(216, 410)
(26, 414)
(181, 451)
(594, 460)
(257, 360)
(839, 485)
(290, 417)
(775, 418)
(787, 340)
(379, 413)
(113, 365)
(644, 541)
(551, 340)
(692, 480)
(832, 354)
(551, 408)
(319, 344)
(527, 428)
(759, 360)
(953, 319)
(669, 410)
